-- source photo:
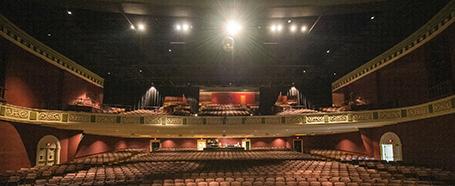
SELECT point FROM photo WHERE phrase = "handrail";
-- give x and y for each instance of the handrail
(42, 116)
(442, 20)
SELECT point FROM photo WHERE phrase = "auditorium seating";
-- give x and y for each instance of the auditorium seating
(141, 112)
(264, 168)
(296, 111)
(224, 155)
(224, 110)
(340, 155)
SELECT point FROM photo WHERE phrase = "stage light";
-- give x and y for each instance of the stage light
(69, 12)
(293, 28)
(303, 28)
(232, 27)
(170, 50)
(328, 51)
(49, 34)
(178, 27)
(279, 28)
(273, 28)
(141, 27)
(132, 27)
(372, 17)
(186, 27)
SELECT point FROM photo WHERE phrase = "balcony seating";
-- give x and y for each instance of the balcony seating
(218, 172)
(296, 112)
(224, 110)
(144, 112)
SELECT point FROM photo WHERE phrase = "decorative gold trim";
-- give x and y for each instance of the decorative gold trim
(442, 20)
(23, 40)
(87, 121)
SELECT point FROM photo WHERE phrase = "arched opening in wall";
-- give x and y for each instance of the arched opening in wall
(155, 145)
(48, 151)
(246, 144)
(297, 145)
(391, 147)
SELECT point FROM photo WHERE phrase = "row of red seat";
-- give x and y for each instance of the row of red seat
(222, 171)
(340, 155)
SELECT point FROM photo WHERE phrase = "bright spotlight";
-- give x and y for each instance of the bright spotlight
(178, 27)
(293, 28)
(141, 27)
(273, 28)
(232, 27)
(185, 27)
(279, 28)
(303, 28)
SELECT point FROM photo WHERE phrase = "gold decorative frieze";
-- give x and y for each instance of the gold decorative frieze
(386, 115)
(106, 119)
(174, 121)
(338, 118)
(442, 20)
(362, 116)
(295, 120)
(196, 120)
(21, 39)
(49, 116)
(442, 106)
(214, 120)
(418, 111)
(131, 119)
(79, 118)
(253, 120)
(153, 120)
(42, 116)
(272, 120)
(233, 120)
(17, 113)
(315, 119)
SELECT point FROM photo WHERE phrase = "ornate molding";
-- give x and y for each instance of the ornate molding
(20, 38)
(442, 20)
(40, 116)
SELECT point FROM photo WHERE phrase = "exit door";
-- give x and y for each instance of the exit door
(387, 152)
(297, 146)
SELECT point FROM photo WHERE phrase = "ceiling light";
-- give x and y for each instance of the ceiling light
(178, 27)
(279, 28)
(232, 27)
(273, 28)
(132, 27)
(185, 27)
(328, 51)
(49, 34)
(170, 50)
(303, 28)
(289, 21)
(69, 12)
(372, 17)
(293, 28)
(141, 26)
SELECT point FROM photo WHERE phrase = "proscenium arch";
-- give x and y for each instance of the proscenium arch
(48, 141)
(393, 139)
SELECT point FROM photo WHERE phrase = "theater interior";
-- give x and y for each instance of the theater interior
(227, 92)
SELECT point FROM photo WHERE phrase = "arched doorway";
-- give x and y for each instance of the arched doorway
(391, 147)
(48, 151)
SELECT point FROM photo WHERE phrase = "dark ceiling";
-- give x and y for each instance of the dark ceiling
(97, 35)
